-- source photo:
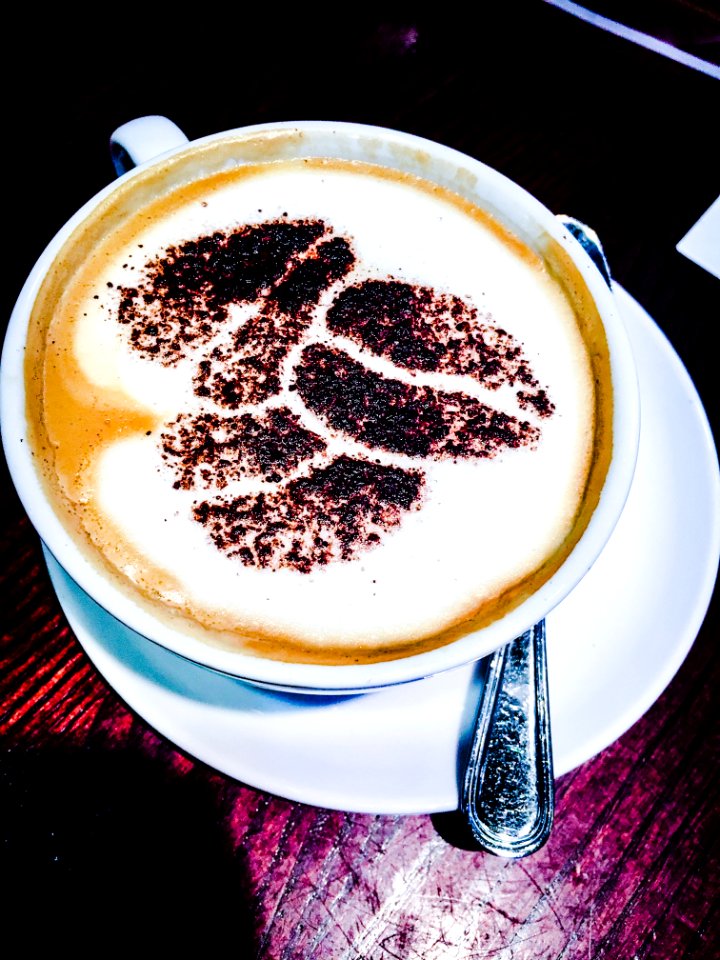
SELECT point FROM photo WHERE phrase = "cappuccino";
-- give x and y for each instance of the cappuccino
(316, 409)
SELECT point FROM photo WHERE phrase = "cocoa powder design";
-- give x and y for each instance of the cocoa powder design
(315, 509)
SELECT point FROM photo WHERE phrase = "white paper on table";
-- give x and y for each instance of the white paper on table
(701, 243)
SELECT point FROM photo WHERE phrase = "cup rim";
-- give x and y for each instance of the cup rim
(310, 677)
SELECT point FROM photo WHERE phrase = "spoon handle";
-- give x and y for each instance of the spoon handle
(508, 793)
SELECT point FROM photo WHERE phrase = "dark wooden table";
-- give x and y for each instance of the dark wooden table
(108, 831)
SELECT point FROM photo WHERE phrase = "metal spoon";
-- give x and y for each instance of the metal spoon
(508, 792)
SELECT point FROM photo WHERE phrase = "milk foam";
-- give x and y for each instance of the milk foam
(482, 526)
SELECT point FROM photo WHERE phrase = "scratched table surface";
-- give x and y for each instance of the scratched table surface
(110, 834)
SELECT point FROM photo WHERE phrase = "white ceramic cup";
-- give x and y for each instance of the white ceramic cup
(143, 142)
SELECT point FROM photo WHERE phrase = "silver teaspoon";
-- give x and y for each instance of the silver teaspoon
(508, 793)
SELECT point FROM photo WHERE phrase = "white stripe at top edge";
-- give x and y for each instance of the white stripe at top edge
(637, 36)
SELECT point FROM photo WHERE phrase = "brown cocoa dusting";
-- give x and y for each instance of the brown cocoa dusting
(209, 450)
(183, 297)
(335, 513)
(247, 368)
(403, 418)
(538, 401)
(280, 269)
(419, 329)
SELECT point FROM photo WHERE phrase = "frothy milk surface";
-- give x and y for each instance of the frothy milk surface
(325, 410)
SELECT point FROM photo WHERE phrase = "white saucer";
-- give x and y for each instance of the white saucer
(613, 645)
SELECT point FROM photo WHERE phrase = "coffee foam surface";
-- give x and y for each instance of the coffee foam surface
(480, 525)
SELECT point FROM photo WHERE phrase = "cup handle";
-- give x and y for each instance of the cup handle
(143, 139)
